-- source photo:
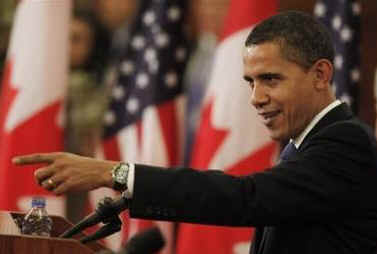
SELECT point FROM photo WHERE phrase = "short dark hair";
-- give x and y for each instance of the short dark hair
(302, 39)
(98, 56)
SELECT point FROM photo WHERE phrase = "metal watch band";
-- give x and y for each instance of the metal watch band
(120, 176)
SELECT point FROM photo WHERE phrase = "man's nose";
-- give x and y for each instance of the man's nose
(259, 96)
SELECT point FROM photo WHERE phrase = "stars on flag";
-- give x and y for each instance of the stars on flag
(174, 13)
(149, 18)
(150, 70)
(320, 10)
(127, 67)
(338, 62)
(180, 54)
(343, 20)
(118, 93)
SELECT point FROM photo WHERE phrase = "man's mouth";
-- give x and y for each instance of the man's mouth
(268, 117)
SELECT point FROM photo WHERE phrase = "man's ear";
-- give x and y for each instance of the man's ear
(323, 73)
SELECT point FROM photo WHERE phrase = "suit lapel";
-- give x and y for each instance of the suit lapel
(339, 113)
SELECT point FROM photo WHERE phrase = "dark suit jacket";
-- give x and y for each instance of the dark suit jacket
(321, 201)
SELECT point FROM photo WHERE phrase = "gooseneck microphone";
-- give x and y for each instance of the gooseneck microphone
(106, 209)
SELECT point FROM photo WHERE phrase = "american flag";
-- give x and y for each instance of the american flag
(150, 71)
(145, 117)
(342, 17)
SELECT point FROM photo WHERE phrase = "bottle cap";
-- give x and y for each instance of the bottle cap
(38, 202)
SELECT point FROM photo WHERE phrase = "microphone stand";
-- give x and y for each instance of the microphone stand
(107, 212)
(113, 225)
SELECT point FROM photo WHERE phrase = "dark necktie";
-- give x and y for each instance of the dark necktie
(288, 152)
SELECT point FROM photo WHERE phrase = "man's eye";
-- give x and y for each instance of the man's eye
(270, 78)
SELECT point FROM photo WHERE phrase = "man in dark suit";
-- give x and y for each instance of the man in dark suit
(315, 200)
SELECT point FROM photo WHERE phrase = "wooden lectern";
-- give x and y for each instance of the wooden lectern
(13, 242)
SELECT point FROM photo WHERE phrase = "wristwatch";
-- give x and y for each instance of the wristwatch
(120, 176)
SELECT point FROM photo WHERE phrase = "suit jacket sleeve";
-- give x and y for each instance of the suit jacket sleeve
(334, 171)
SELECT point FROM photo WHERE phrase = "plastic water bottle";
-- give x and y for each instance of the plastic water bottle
(36, 221)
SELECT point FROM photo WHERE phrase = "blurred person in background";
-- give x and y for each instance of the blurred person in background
(114, 13)
(86, 99)
(116, 16)
(206, 20)
(4, 35)
(7, 8)
(99, 32)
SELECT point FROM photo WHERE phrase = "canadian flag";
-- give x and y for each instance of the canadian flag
(33, 88)
(230, 135)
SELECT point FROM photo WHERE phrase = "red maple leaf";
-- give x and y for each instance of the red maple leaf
(209, 140)
(210, 136)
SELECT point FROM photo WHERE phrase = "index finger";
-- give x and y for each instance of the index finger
(34, 158)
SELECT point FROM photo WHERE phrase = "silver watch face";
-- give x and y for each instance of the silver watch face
(120, 174)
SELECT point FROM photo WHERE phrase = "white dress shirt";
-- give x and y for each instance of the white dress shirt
(297, 141)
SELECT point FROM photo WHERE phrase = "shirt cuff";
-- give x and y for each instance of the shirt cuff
(130, 181)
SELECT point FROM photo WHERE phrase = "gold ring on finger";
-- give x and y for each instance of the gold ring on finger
(51, 183)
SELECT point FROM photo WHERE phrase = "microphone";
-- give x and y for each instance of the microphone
(104, 231)
(146, 242)
(106, 209)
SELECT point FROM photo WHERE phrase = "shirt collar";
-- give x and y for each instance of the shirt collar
(297, 141)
